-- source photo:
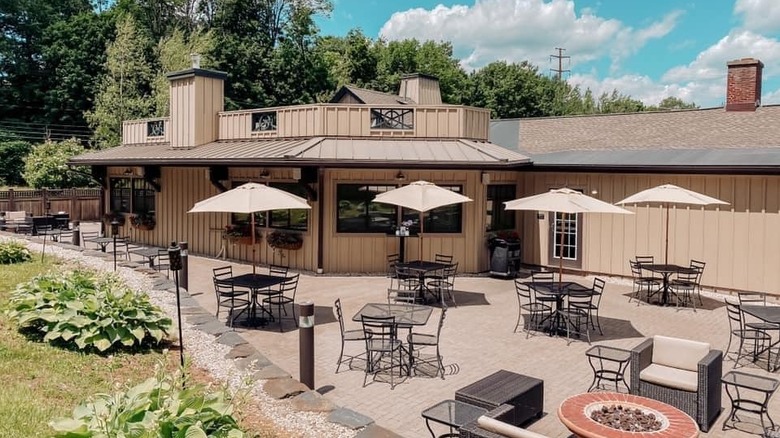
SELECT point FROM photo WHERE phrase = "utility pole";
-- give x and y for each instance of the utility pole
(560, 57)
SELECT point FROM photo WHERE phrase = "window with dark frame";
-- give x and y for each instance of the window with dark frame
(297, 219)
(357, 213)
(498, 217)
(131, 195)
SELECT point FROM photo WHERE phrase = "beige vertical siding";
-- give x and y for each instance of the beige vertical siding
(183, 187)
(738, 242)
(182, 119)
(134, 131)
(195, 102)
(361, 253)
(341, 120)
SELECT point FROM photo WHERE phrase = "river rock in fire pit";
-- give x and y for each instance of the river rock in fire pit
(626, 419)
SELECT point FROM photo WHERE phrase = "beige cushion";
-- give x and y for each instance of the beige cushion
(670, 377)
(15, 215)
(505, 429)
(679, 353)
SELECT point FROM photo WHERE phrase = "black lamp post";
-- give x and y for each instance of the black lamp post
(174, 259)
(114, 232)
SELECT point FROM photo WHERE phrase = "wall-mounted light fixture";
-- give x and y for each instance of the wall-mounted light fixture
(400, 176)
(128, 171)
(594, 192)
(485, 178)
(265, 174)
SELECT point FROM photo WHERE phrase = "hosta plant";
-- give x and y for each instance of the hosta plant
(13, 252)
(83, 310)
(158, 407)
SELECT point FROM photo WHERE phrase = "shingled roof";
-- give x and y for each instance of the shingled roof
(694, 140)
(371, 97)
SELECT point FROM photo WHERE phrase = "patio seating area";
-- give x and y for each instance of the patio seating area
(478, 339)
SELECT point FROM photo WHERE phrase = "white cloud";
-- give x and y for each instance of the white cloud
(647, 90)
(518, 30)
(771, 98)
(759, 15)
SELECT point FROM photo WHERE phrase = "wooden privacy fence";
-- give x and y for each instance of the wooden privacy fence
(80, 204)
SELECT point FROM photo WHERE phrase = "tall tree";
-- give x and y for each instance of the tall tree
(512, 90)
(23, 72)
(47, 166)
(672, 103)
(173, 54)
(125, 91)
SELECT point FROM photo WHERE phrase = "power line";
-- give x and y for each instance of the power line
(560, 57)
(43, 124)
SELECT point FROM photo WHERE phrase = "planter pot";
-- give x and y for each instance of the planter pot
(242, 240)
(291, 246)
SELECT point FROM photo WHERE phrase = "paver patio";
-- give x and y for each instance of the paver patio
(477, 339)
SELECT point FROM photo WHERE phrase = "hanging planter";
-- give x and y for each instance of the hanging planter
(143, 221)
(285, 240)
(240, 234)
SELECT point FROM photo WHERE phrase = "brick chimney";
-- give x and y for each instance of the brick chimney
(420, 88)
(743, 84)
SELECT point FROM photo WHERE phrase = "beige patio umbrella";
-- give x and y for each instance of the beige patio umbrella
(565, 201)
(250, 198)
(670, 194)
(421, 196)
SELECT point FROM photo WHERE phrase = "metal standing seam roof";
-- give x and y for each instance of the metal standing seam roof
(317, 150)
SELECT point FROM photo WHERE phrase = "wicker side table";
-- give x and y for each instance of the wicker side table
(525, 393)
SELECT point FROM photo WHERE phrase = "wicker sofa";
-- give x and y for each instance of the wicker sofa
(495, 424)
(683, 373)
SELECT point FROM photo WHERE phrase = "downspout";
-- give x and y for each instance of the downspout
(320, 221)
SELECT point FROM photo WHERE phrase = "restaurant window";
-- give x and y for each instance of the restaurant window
(120, 195)
(357, 213)
(297, 219)
(143, 196)
(445, 219)
(498, 217)
(566, 233)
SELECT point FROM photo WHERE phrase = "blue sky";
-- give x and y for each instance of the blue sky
(649, 49)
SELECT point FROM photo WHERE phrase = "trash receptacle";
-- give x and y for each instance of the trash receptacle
(504, 258)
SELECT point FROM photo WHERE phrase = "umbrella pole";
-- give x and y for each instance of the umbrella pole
(666, 244)
(252, 222)
(560, 254)
(420, 255)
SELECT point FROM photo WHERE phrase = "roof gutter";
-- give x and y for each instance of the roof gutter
(296, 163)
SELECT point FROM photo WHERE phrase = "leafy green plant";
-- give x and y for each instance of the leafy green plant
(157, 407)
(14, 252)
(79, 309)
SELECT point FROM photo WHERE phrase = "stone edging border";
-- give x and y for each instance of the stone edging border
(279, 384)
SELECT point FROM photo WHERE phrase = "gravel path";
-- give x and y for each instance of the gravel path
(204, 352)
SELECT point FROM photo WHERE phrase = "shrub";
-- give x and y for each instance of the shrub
(78, 309)
(13, 252)
(156, 407)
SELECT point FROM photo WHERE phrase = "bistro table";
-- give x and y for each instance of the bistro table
(452, 413)
(422, 268)
(149, 253)
(666, 270)
(101, 241)
(734, 381)
(257, 284)
(768, 314)
(406, 315)
(559, 290)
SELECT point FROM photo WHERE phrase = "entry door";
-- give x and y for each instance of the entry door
(566, 239)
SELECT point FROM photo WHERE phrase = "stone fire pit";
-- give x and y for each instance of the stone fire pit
(577, 413)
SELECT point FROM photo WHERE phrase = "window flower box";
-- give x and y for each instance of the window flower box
(285, 240)
(143, 221)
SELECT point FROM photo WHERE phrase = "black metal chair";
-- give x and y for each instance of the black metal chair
(699, 266)
(163, 262)
(285, 296)
(593, 307)
(755, 339)
(392, 260)
(442, 258)
(407, 278)
(227, 296)
(87, 236)
(543, 277)
(350, 335)
(418, 341)
(683, 288)
(650, 285)
(406, 296)
(538, 311)
(445, 285)
(381, 343)
(576, 314)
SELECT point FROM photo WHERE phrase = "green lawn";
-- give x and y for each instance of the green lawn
(40, 382)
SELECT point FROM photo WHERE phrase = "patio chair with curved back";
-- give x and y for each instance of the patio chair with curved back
(755, 339)
(683, 288)
(405, 296)
(381, 343)
(699, 266)
(407, 278)
(285, 296)
(593, 306)
(650, 285)
(538, 311)
(350, 335)
(227, 296)
(539, 295)
(87, 236)
(418, 341)
(445, 285)
(442, 258)
(576, 315)
(392, 260)
(163, 262)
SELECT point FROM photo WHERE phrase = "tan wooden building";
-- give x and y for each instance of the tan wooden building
(338, 155)
(341, 154)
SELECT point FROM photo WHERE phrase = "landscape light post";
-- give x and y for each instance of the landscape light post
(174, 259)
(114, 232)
